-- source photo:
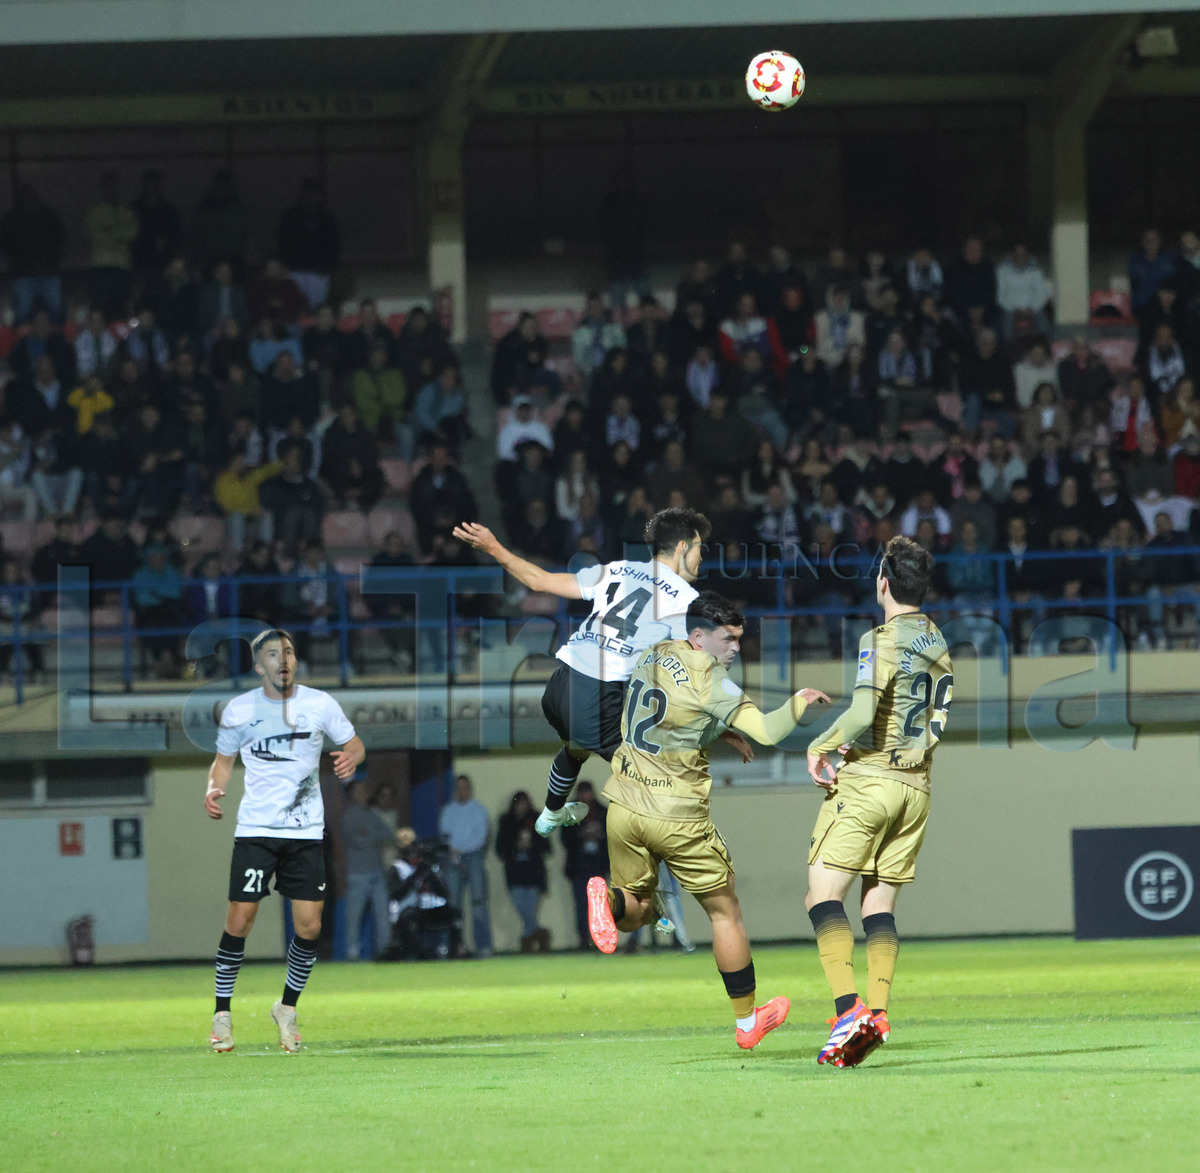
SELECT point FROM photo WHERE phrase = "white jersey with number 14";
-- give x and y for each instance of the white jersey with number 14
(634, 605)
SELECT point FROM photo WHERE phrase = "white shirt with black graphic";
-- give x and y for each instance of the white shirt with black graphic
(634, 605)
(280, 743)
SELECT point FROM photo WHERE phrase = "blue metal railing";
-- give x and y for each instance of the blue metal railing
(800, 587)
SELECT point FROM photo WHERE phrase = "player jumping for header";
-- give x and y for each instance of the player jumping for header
(872, 821)
(279, 730)
(634, 605)
(680, 700)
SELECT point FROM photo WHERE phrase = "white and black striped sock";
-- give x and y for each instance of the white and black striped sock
(301, 957)
(229, 960)
(564, 773)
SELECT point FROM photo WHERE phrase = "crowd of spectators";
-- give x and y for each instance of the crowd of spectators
(800, 405)
(182, 379)
(803, 407)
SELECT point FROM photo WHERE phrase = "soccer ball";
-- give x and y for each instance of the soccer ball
(775, 80)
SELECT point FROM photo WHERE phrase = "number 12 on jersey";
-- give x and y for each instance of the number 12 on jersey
(654, 701)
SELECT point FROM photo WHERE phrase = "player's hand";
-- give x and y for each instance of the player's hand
(212, 803)
(344, 764)
(478, 537)
(814, 696)
(821, 771)
(740, 744)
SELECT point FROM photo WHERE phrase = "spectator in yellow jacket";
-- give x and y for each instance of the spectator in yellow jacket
(236, 493)
(88, 401)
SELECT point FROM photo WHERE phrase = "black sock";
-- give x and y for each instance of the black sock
(301, 957)
(564, 773)
(842, 1004)
(617, 902)
(229, 960)
(877, 1012)
(740, 982)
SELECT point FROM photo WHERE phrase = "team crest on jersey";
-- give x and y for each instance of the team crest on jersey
(866, 664)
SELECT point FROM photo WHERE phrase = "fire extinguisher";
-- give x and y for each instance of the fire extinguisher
(81, 941)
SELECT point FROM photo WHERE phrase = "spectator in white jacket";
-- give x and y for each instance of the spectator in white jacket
(1022, 288)
(523, 426)
(595, 336)
(1037, 367)
(575, 483)
(926, 508)
(95, 347)
(838, 327)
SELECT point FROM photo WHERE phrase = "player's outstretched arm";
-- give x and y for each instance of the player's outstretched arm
(219, 774)
(771, 728)
(479, 537)
(347, 759)
(854, 722)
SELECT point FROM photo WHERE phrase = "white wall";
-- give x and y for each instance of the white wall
(997, 858)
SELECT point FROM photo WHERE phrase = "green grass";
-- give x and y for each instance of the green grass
(1005, 1055)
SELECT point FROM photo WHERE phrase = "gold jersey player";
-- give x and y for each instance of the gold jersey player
(680, 700)
(872, 821)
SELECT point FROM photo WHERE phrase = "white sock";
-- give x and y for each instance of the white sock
(746, 1023)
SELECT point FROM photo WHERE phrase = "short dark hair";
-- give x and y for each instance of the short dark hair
(908, 569)
(668, 527)
(271, 634)
(708, 611)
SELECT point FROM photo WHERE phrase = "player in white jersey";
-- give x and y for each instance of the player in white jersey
(279, 730)
(634, 605)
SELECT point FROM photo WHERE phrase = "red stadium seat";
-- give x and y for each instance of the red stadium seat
(384, 519)
(398, 474)
(18, 537)
(1110, 307)
(1118, 353)
(557, 324)
(348, 528)
(201, 534)
(500, 322)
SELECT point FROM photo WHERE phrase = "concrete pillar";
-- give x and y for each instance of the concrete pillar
(1069, 227)
(447, 258)
(1059, 117)
(464, 75)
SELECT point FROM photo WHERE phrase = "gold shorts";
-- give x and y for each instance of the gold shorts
(692, 849)
(871, 826)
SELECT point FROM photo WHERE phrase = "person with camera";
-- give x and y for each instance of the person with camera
(523, 854)
(424, 922)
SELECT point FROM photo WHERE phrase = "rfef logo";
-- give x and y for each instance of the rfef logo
(1135, 881)
(1158, 885)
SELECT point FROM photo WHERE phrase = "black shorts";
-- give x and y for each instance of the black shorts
(298, 866)
(585, 712)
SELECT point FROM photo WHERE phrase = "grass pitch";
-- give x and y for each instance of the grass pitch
(1005, 1055)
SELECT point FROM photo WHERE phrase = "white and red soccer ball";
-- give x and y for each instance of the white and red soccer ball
(775, 80)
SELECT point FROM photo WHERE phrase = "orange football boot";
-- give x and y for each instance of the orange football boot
(766, 1019)
(600, 918)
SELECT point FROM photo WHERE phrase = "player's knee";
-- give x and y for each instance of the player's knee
(240, 919)
(308, 927)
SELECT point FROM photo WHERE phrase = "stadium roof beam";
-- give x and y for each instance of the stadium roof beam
(453, 93)
(1059, 116)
